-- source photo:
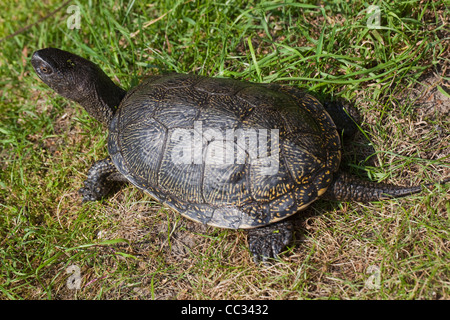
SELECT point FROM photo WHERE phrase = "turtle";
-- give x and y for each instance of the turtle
(219, 151)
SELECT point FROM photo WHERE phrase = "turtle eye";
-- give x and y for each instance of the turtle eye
(46, 70)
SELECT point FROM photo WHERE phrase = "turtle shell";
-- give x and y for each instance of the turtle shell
(223, 152)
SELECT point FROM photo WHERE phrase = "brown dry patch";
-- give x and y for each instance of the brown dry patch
(427, 133)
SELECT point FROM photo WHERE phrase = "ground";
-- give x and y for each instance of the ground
(130, 247)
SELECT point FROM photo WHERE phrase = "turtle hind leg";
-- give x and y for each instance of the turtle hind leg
(268, 241)
(102, 177)
(345, 117)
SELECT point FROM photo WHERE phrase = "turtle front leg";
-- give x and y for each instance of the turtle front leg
(102, 177)
(267, 242)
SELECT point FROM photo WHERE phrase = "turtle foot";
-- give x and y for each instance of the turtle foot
(102, 177)
(267, 242)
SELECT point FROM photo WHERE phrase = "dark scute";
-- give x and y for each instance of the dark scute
(179, 174)
(269, 179)
(176, 114)
(142, 146)
(221, 86)
(226, 183)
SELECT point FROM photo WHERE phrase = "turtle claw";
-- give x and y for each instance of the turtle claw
(102, 177)
(91, 193)
(267, 242)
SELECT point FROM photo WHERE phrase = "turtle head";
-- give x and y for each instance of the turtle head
(80, 80)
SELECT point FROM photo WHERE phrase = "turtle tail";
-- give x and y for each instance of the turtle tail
(346, 187)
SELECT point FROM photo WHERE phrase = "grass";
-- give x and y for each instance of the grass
(129, 247)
